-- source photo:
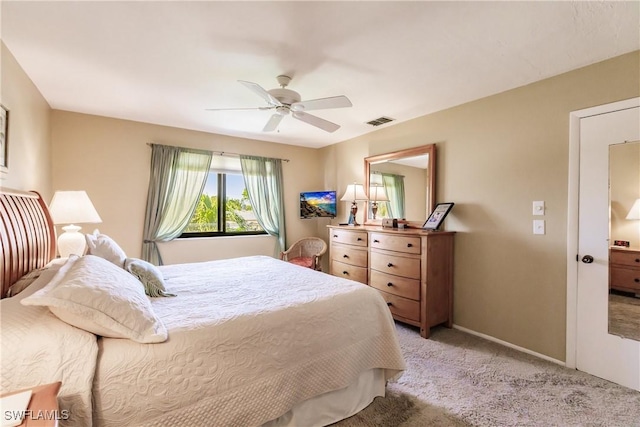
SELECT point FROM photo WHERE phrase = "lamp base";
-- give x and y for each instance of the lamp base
(71, 241)
(352, 215)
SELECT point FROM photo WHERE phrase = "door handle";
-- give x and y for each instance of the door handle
(587, 259)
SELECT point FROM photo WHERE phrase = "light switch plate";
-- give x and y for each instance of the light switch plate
(538, 226)
(538, 207)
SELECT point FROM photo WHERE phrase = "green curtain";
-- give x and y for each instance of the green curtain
(178, 177)
(263, 180)
(394, 185)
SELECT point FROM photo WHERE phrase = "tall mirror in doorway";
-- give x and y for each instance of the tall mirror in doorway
(401, 184)
(624, 239)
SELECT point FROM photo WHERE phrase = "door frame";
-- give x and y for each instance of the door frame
(572, 218)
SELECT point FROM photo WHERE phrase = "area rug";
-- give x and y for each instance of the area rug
(457, 379)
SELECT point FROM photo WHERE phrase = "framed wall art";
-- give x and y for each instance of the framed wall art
(437, 216)
(4, 138)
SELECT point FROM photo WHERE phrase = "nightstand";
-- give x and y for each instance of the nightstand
(43, 407)
(624, 270)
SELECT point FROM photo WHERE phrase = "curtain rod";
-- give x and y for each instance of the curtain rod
(227, 153)
(223, 153)
(387, 173)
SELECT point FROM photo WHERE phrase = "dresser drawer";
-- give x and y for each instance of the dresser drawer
(349, 237)
(625, 278)
(396, 265)
(351, 272)
(622, 257)
(402, 307)
(391, 242)
(353, 255)
(401, 286)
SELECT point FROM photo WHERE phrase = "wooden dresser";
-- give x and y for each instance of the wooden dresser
(624, 270)
(412, 269)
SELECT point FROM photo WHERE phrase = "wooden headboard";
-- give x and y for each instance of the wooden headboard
(27, 235)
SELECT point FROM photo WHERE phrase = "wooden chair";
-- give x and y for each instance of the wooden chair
(306, 253)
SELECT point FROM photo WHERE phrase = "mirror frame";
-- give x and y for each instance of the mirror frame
(410, 152)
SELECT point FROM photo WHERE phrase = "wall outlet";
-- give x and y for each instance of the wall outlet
(538, 207)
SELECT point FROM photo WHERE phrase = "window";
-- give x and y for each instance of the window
(233, 217)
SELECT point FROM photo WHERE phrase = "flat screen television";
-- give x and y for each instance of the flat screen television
(315, 204)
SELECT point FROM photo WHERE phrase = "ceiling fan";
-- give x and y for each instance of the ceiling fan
(285, 101)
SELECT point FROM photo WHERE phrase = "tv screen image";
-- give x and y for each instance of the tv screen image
(314, 204)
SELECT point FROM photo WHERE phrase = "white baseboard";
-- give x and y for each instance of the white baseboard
(508, 344)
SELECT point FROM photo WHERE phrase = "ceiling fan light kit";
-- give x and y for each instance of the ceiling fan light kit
(285, 101)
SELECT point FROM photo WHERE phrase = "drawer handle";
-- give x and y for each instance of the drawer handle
(389, 284)
(389, 265)
(389, 304)
(376, 241)
(346, 273)
(409, 245)
(359, 239)
(636, 280)
(637, 259)
(345, 256)
(335, 235)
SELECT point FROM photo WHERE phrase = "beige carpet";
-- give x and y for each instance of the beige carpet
(624, 316)
(456, 379)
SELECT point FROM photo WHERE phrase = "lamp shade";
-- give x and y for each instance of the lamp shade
(377, 194)
(354, 193)
(634, 213)
(73, 207)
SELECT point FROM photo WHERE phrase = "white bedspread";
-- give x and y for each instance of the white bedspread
(38, 348)
(248, 339)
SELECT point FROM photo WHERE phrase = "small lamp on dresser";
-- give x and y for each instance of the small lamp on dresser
(377, 194)
(72, 207)
(354, 194)
(634, 212)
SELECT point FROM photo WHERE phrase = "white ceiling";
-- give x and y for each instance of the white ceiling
(166, 62)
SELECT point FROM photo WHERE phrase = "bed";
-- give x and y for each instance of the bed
(250, 341)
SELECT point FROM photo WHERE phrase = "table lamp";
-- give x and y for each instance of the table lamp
(377, 193)
(72, 207)
(354, 194)
(634, 213)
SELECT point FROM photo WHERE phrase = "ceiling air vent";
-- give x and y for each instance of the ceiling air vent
(380, 121)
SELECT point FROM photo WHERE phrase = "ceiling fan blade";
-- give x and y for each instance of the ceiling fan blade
(316, 121)
(273, 123)
(321, 103)
(239, 109)
(259, 90)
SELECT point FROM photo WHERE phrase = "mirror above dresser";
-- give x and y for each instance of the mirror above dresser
(401, 184)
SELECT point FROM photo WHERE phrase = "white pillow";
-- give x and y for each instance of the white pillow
(91, 293)
(105, 247)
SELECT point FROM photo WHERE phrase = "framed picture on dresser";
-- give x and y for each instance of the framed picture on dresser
(437, 216)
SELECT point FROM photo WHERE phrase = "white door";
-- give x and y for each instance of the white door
(597, 352)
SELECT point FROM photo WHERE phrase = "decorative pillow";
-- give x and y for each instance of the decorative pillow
(105, 247)
(93, 294)
(24, 282)
(149, 275)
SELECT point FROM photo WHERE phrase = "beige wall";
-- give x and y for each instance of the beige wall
(495, 157)
(29, 162)
(110, 159)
